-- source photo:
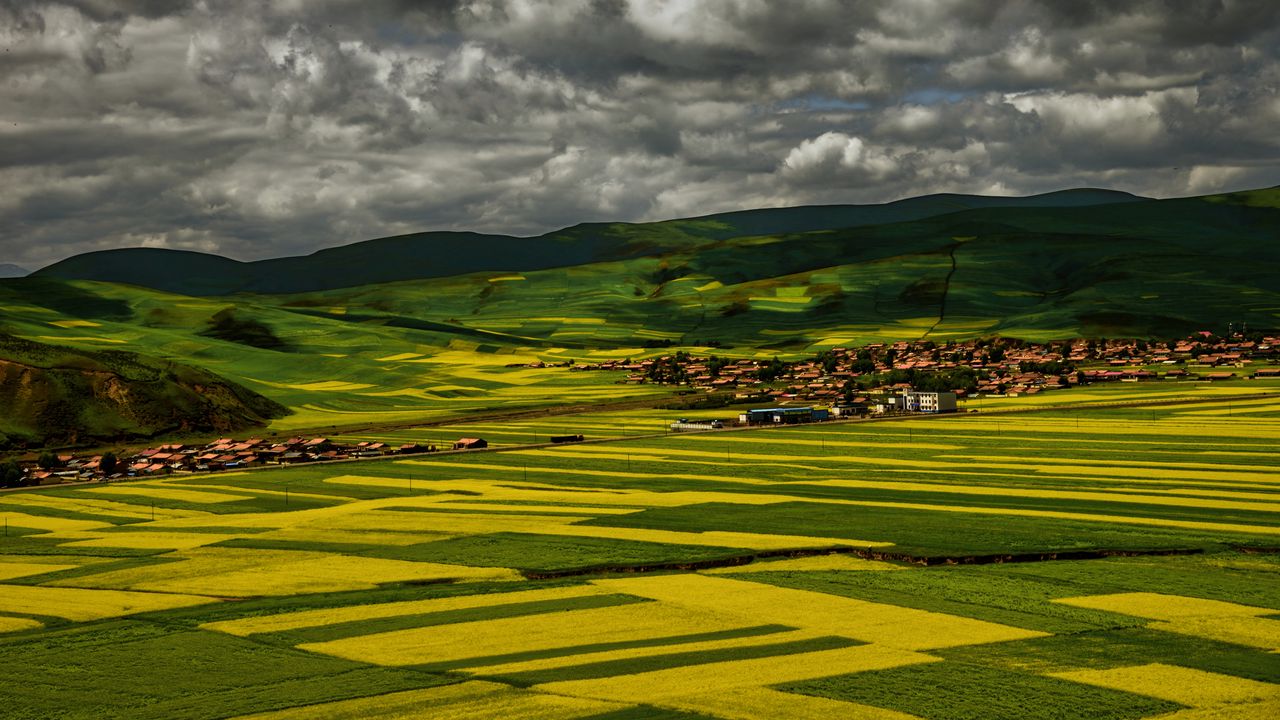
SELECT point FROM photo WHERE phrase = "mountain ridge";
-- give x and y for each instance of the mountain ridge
(403, 257)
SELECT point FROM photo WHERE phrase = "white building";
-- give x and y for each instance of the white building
(930, 402)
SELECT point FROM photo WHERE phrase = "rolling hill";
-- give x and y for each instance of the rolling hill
(54, 395)
(444, 254)
(449, 323)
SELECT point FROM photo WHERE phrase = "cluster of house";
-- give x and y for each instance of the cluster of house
(886, 403)
(223, 454)
(988, 366)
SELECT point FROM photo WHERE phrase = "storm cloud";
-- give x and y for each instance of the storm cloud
(259, 129)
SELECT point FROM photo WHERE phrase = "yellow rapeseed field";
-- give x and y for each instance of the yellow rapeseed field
(1214, 619)
(475, 700)
(358, 536)
(1105, 496)
(52, 524)
(10, 570)
(806, 564)
(1255, 632)
(660, 686)
(81, 604)
(888, 625)
(242, 572)
(640, 652)
(14, 624)
(330, 616)
(160, 492)
(761, 703)
(1194, 688)
(94, 506)
(549, 631)
(150, 540)
(1156, 606)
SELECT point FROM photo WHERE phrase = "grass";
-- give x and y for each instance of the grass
(360, 628)
(963, 691)
(76, 673)
(1122, 647)
(551, 552)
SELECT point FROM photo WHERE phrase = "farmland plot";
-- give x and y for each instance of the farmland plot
(810, 571)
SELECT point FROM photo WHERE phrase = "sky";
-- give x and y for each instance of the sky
(277, 127)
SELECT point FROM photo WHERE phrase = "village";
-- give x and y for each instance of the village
(878, 379)
(997, 366)
(222, 454)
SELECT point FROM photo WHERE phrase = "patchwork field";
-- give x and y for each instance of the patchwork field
(1108, 563)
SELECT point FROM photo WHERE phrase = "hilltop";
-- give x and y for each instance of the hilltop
(443, 254)
(54, 395)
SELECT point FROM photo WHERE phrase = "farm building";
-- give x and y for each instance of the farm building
(687, 424)
(847, 410)
(566, 438)
(930, 402)
(784, 415)
(470, 444)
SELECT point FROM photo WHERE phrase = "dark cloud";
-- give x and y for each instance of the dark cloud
(261, 129)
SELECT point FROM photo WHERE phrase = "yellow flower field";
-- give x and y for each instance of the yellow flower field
(1194, 688)
(474, 700)
(1107, 496)
(666, 687)
(82, 604)
(149, 540)
(1224, 621)
(94, 506)
(761, 703)
(330, 616)
(14, 624)
(640, 652)
(240, 572)
(360, 536)
(549, 631)
(1156, 606)
(807, 564)
(162, 492)
(1261, 633)
(10, 570)
(888, 625)
(45, 522)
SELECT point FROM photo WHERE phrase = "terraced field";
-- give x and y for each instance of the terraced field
(812, 571)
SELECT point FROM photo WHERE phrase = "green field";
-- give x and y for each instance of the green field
(840, 570)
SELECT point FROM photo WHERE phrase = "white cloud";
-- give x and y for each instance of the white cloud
(835, 156)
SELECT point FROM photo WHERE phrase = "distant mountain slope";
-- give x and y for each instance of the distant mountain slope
(9, 270)
(444, 254)
(1147, 269)
(54, 395)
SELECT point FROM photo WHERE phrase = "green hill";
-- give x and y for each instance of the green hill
(444, 254)
(388, 352)
(54, 395)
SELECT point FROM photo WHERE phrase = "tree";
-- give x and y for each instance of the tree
(48, 460)
(109, 464)
(10, 474)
